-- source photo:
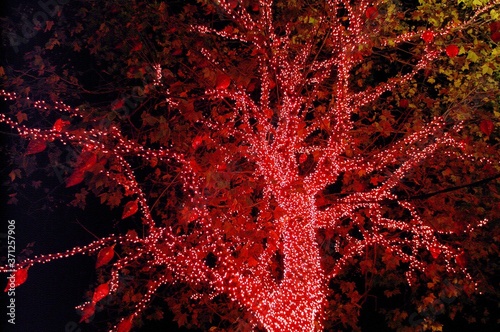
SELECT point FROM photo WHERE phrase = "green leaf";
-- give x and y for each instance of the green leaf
(472, 56)
(486, 69)
(494, 14)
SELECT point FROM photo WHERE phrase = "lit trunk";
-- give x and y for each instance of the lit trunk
(297, 303)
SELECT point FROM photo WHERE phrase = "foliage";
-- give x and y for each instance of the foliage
(275, 164)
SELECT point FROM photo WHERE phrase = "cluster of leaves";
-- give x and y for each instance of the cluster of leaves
(101, 57)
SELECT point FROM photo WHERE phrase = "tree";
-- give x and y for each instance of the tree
(279, 160)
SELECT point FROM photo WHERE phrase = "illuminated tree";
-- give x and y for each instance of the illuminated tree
(285, 145)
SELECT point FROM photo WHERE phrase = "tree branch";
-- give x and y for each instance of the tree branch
(446, 190)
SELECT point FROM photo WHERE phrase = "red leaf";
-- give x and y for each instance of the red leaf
(435, 252)
(119, 104)
(495, 37)
(302, 158)
(48, 25)
(233, 4)
(221, 167)
(60, 125)
(452, 51)
(130, 209)
(74, 178)
(486, 127)
(182, 319)
(87, 312)
(177, 51)
(252, 262)
(371, 13)
(494, 27)
(428, 36)
(257, 51)
(137, 47)
(125, 325)
(222, 82)
(19, 115)
(197, 142)
(194, 166)
(268, 112)
(376, 179)
(132, 233)
(100, 292)
(461, 260)
(104, 256)
(86, 161)
(404, 103)
(19, 277)
(35, 146)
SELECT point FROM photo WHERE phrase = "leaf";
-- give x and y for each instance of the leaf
(12, 199)
(452, 51)
(137, 47)
(16, 173)
(20, 116)
(48, 25)
(181, 319)
(495, 37)
(302, 158)
(435, 252)
(371, 13)
(60, 125)
(35, 146)
(104, 256)
(100, 292)
(76, 47)
(132, 234)
(197, 141)
(86, 161)
(114, 199)
(494, 27)
(486, 69)
(177, 51)
(19, 278)
(130, 209)
(233, 4)
(376, 179)
(391, 261)
(252, 262)
(222, 81)
(486, 127)
(125, 325)
(117, 105)
(472, 56)
(87, 312)
(51, 43)
(75, 178)
(461, 260)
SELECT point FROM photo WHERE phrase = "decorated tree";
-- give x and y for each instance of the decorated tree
(281, 161)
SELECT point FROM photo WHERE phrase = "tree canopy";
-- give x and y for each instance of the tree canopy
(271, 165)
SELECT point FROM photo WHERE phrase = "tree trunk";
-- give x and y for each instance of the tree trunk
(298, 301)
